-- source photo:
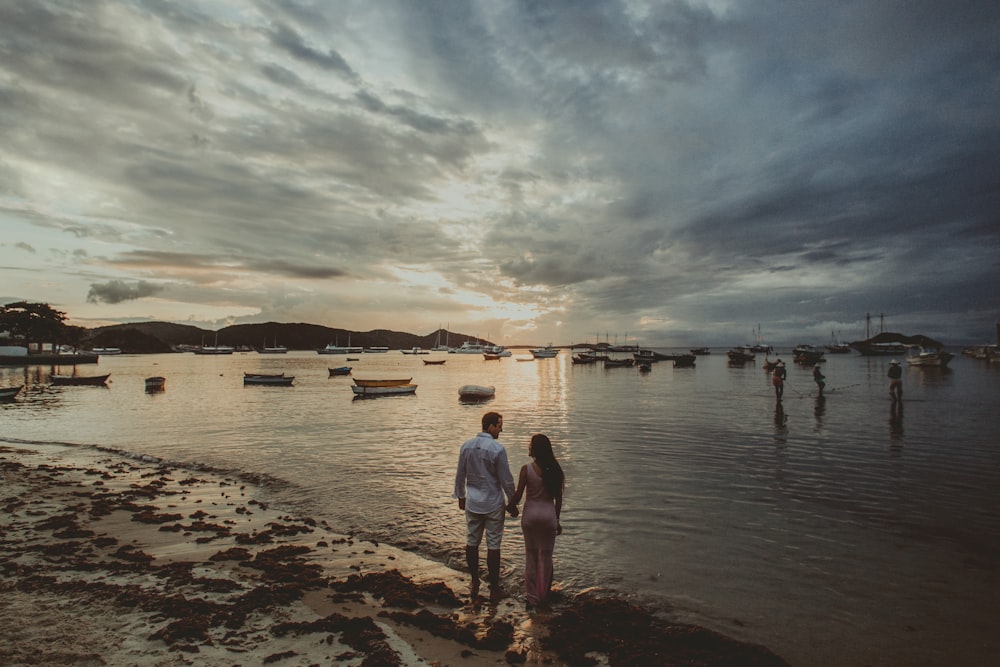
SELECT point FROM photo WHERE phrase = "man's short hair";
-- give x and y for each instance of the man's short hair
(491, 419)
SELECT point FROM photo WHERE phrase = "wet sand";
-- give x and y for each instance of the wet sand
(108, 560)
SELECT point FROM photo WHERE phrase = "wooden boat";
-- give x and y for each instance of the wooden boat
(383, 390)
(156, 383)
(807, 354)
(434, 362)
(684, 360)
(618, 363)
(651, 356)
(340, 370)
(271, 380)
(490, 356)
(740, 355)
(700, 350)
(273, 349)
(581, 358)
(8, 393)
(382, 383)
(475, 392)
(932, 357)
(90, 380)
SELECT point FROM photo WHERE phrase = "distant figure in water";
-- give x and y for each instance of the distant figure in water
(895, 381)
(778, 379)
(819, 378)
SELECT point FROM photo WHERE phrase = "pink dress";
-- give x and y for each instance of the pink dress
(538, 523)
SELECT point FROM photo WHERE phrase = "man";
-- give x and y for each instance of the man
(819, 378)
(778, 379)
(895, 381)
(481, 482)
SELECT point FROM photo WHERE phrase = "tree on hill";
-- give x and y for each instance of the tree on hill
(28, 323)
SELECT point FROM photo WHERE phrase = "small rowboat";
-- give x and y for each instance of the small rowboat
(155, 383)
(379, 390)
(269, 379)
(382, 383)
(434, 362)
(8, 393)
(475, 392)
(67, 380)
(340, 370)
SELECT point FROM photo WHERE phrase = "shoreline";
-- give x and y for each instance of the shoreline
(134, 560)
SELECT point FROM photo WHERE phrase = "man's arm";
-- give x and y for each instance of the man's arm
(459, 491)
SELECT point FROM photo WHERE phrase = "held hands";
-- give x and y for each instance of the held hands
(512, 509)
(558, 529)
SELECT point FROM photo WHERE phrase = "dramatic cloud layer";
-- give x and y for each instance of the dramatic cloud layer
(674, 171)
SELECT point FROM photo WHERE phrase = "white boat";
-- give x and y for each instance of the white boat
(920, 356)
(468, 347)
(438, 347)
(475, 392)
(391, 382)
(546, 352)
(393, 390)
(214, 349)
(497, 350)
(416, 350)
(378, 349)
(107, 350)
(274, 349)
(332, 348)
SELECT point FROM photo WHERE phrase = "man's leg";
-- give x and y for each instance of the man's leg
(472, 559)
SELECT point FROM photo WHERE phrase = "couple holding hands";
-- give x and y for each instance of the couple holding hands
(482, 481)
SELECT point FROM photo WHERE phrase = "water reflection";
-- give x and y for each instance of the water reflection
(780, 423)
(896, 422)
(819, 409)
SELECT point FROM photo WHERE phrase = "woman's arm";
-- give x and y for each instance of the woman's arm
(522, 481)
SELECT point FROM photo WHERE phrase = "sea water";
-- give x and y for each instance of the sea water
(842, 530)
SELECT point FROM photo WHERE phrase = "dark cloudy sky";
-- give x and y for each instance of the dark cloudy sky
(673, 172)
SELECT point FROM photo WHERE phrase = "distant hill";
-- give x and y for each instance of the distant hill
(153, 337)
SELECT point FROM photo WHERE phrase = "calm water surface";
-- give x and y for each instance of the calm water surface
(833, 531)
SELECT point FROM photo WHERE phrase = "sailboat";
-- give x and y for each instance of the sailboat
(438, 347)
(214, 349)
(276, 349)
(758, 345)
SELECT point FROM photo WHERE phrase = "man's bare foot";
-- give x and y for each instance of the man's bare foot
(497, 593)
(474, 589)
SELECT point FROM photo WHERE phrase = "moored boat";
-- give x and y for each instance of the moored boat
(79, 380)
(8, 393)
(547, 352)
(155, 383)
(740, 355)
(434, 362)
(928, 357)
(340, 370)
(807, 354)
(382, 383)
(270, 379)
(391, 390)
(684, 360)
(273, 349)
(107, 351)
(416, 350)
(618, 363)
(378, 349)
(476, 392)
(700, 350)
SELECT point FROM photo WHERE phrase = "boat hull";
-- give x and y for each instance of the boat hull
(79, 380)
(476, 392)
(382, 383)
(393, 390)
(8, 393)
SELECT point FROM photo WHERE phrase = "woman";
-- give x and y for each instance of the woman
(543, 480)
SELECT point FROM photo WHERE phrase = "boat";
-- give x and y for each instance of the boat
(382, 383)
(269, 379)
(618, 363)
(740, 355)
(928, 357)
(475, 392)
(651, 356)
(107, 351)
(547, 352)
(684, 360)
(700, 351)
(340, 370)
(434, 362)
(156, 383)
(758, 344)
(498, 350)
(214, 349)
(74, 380)
(378, 349)
(645, 367)
(583, 358)
(274, 349)
(8, 393)
(468, 347)
(416, 350)
(490, 356)
(393, 390)
(836, 346)
(332, 348)
(438, 347)
(807, 354)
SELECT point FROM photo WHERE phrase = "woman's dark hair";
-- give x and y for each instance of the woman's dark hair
(552, 474)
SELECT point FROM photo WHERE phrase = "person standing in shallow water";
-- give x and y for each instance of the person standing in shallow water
(819, 378)
(778, 379)
(543, 482)
(481, 481)
(895, 381)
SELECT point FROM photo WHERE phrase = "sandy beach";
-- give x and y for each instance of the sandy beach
(112, 560)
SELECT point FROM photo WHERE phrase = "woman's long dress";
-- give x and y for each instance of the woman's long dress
(538, 523)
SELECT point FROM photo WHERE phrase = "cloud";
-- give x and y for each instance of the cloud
(118, 291)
